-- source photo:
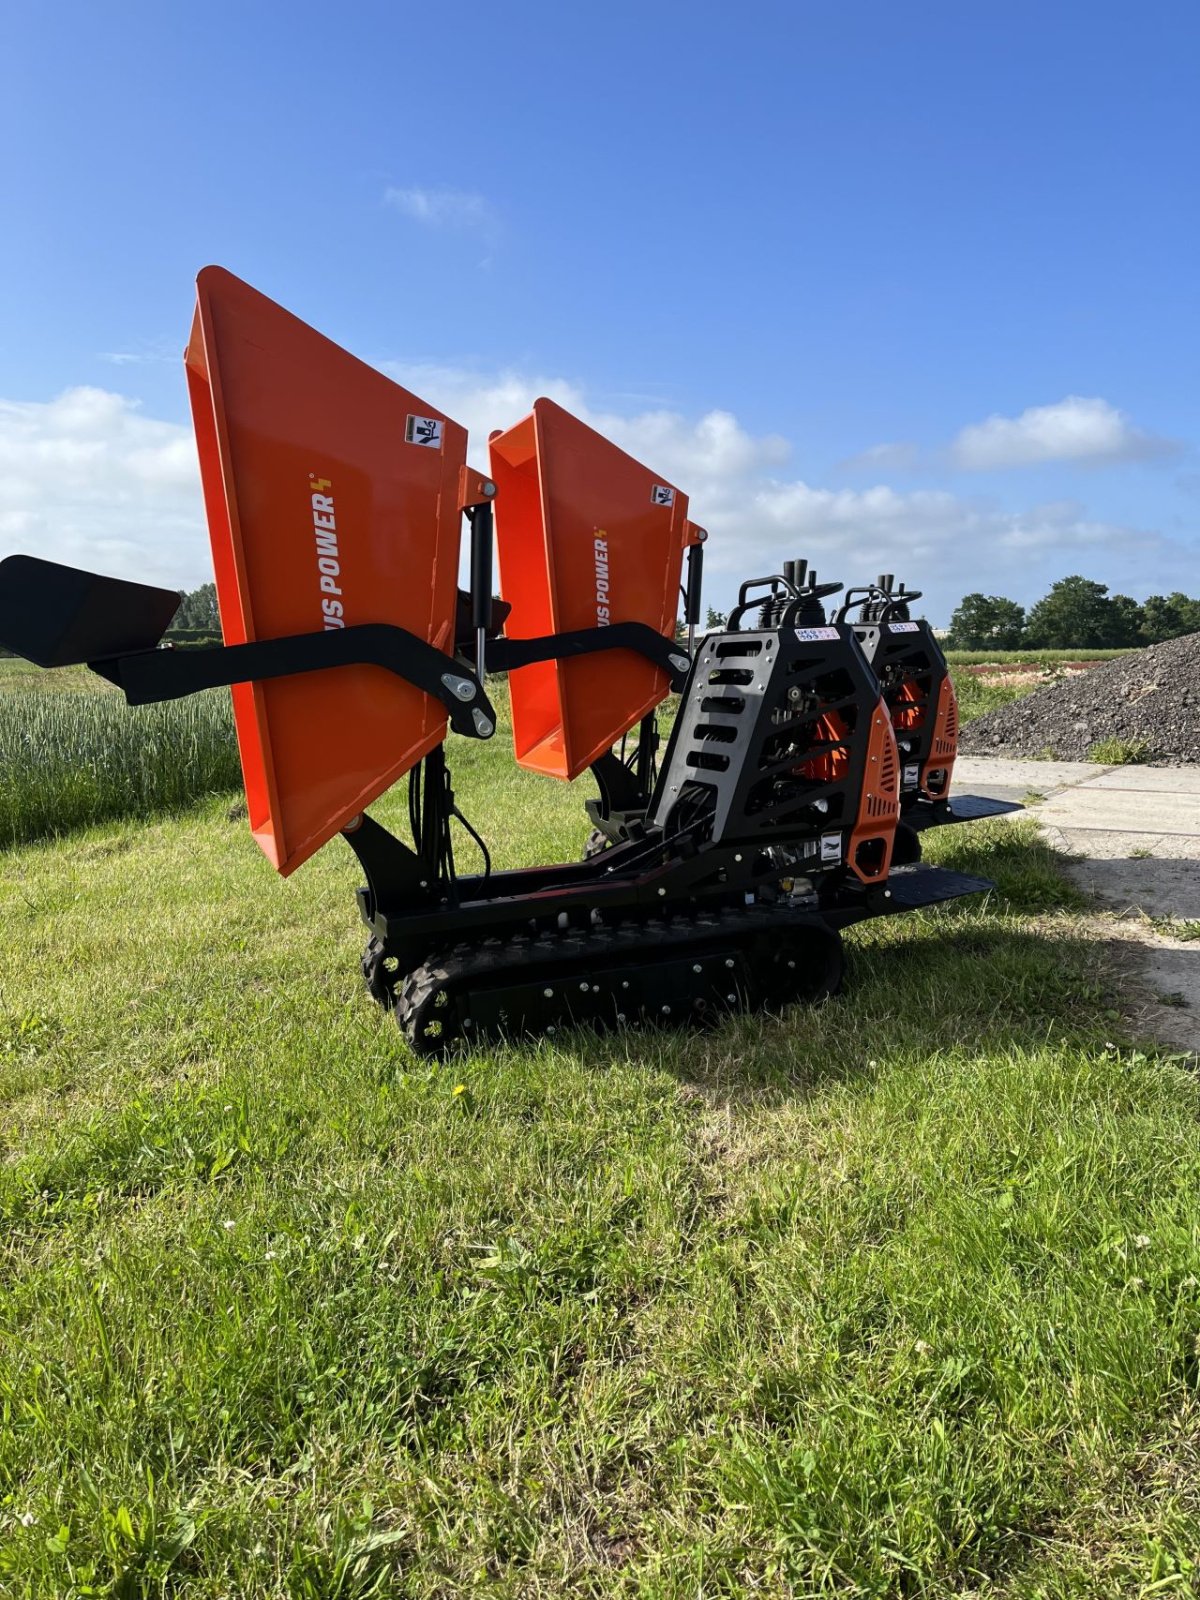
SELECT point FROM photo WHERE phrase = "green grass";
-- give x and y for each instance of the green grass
(975, 697)
(899, 1297)
(74, 758)
(1116, 752)
(1035, 658)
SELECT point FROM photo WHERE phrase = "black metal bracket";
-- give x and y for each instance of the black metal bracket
(505, 655)
(151, 675)
(619, 787)
(395, 874)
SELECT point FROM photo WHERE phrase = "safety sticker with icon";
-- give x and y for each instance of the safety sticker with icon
(660, 495)
(424, 430)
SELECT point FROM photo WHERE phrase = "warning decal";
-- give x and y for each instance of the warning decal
(831, 847)
(902, 627)
(424, 430)
(661, 495)
(809, 634)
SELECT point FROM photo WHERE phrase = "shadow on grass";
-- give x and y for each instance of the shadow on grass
(947, 983)
(1000, 976)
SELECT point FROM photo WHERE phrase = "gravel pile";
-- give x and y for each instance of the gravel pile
(1151, 697)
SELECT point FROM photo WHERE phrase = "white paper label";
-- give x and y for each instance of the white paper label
(912, 777)
(809, 634)
(661, 495)
(831, 847)
(902, 627)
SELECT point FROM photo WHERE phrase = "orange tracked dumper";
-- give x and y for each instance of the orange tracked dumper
(720, 870)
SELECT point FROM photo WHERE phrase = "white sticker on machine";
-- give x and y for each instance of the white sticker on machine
(831, 847)
(912, 777)
(902, 627)
(807, 635)
(661, 495)
(424, 430)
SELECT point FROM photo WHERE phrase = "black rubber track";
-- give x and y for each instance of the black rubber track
(674, 971)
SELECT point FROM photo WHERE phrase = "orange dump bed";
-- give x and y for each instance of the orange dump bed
(332, 499)
(586, 536)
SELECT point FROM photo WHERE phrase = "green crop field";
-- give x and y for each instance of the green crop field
(1036, 658)
(898, 1297)
(72, 758)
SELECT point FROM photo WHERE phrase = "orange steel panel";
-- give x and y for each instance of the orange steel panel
(332, 499)
(879, 808)
(944, 746)
(586, 536)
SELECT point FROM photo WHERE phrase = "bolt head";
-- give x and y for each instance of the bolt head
(697, 967)
(584, 987)
(549, 993)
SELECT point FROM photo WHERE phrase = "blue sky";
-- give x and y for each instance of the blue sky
(893, 285)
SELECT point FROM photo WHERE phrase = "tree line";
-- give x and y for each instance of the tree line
(1077, 614)
(197, 610)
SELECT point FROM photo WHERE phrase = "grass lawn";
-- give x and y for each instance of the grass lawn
(898, 1297)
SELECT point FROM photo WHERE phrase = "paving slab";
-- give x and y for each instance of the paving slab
(1135, 833)
(1151, 886)
(1100, 844)
(977, 774)
(1123, 810)
(1151, 780)
(1172, 970)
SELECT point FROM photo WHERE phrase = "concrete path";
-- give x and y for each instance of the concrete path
(1136, 832)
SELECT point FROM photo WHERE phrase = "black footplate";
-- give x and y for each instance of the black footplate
(908, 888)
(962, 808)
(914, 887)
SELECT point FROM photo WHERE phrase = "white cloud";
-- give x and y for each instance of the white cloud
(1075, 429)
(443, 208)
(940, 542)
(91, 481)
(699, 454)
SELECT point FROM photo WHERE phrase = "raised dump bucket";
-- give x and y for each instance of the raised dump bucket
(586, 536)
(332, 500)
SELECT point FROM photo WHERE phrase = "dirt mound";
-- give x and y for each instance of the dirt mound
(1150, 699)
